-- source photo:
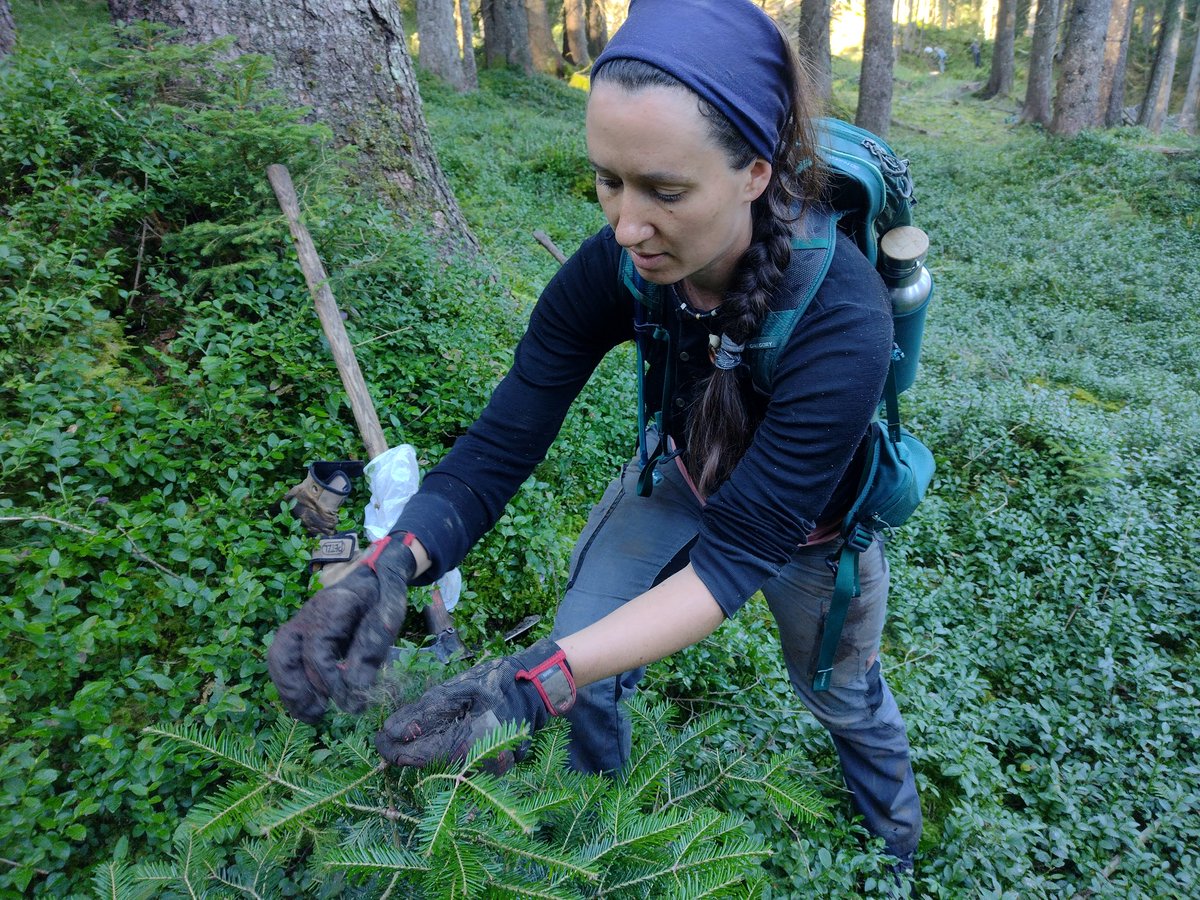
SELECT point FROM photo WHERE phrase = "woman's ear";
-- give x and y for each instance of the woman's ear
(760, 176)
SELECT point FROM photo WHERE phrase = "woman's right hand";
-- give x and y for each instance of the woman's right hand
(333, 648)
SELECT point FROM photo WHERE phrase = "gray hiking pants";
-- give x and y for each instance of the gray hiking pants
(631, 543)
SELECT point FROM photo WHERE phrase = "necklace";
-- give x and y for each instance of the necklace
(689, 310)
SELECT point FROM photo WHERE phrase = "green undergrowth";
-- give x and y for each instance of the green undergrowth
(164, 382)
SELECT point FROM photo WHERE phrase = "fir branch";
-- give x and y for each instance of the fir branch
(220, 746)
(702, 826)
(584, 806)
(535, 851)
(786, 794)
(653, 829)
(291, 812)
(113, 880)
(648, 774)
(528, 890)
(493, 794)
(237, 886)
(742, 854)
(227, 809)
(373, 860)
(439, 817)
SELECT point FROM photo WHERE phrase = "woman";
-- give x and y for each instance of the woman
(697, 132)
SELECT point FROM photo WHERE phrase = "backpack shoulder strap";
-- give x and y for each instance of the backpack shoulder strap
(646, 293)
(812, 254)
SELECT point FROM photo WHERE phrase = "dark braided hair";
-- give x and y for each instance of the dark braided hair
(720, 426)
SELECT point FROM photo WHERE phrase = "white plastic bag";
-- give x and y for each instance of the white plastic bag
(393, 477)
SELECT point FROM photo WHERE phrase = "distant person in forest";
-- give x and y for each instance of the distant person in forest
(975, 53)
(699, 133)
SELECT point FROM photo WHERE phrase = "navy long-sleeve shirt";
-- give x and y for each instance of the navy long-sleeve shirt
(802, 466)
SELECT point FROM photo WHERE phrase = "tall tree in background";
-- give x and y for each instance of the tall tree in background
(505, 35)
(1112, 82)
(874, 110)
(1158, 94)
(466, 28)
(1076, 103)
(346, 60)
(439, 41)
(8, 29)
(1039, 89)
(575, 35)
(813, 46)
(597, 27)
(1191, 98)
(1000, 80)
(542, 49)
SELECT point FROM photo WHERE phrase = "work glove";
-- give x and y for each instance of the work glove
(335, 645)
(318, 497)
(528, 687)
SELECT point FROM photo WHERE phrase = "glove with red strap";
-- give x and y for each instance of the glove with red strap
(528, 687)
(335, 645)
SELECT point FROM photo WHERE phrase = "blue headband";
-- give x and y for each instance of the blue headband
(727, 51)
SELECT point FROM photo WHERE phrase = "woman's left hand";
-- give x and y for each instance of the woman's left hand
(528, 687)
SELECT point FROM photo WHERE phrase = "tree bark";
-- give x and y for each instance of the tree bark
(347, 61)
(813, 46)
(505, 35)
(8, 29)
(1076, 105)
(1158, 94)
(1191, 99)
(575, 33)
(1000, 79)
(1112, 103)
(1039, 89)
(1149, 20)
(1117, 14)
(466, 27)
(542, 50)
(439, 41)
(874, 111)
(597, 28)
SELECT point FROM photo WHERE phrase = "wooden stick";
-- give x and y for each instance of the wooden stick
(327, 311)
(437, 617)
(544, 239)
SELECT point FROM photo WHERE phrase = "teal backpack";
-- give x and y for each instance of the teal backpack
(871, 196)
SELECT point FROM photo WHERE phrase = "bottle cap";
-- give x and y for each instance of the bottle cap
(903, 251)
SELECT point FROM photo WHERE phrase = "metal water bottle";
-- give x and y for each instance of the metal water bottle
(902, 264)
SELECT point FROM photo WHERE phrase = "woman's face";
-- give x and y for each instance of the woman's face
(668, 190)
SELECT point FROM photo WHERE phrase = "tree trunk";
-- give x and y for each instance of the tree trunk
(1187, 114)
(1000, 80)
(505, 35)
(1112, 103)
(1039, 90)
(575, 33)
(1158, 93)
(874, 111)
(439, 41)
(1149, 20)
(347, 61)
(597, 27)
(1076, 105)
(466, 26)
(1113, 48)
(813, 46)
(542, 51)
(8, 29)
